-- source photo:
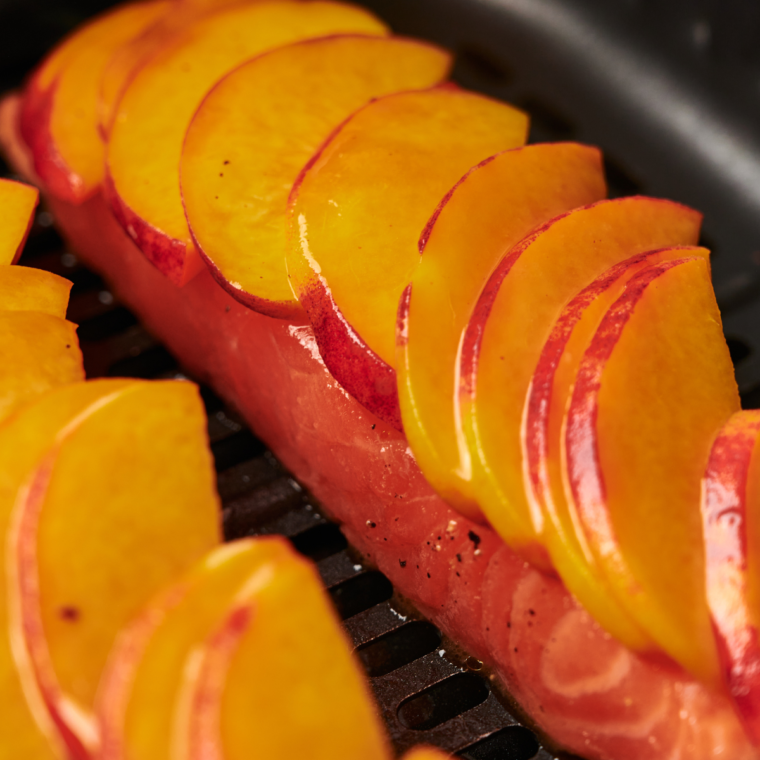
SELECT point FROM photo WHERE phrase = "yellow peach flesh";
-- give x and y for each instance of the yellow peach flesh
(489, 210)
(361, 206)
(255, 131)
(191, 671)
(310, 674)
(426, 753)
(17, 204)
(71, 163)
(145, 512)
(145, 144)
(512, 322)
(24, 439)
(44, 353)
(652, 391)
(137, 700)
(546, 404)
(28, 289)
(127, 58)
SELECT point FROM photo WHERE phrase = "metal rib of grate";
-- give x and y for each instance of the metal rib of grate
(425, 691)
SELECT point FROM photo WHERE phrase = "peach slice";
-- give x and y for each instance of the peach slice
(426, 753)
(128, 57)
(141, 508)
(243, 658)
(43, 351)
(357, 212)
(145, 144)
(511, 323)
(25, 723)
(654, 387)
(29, 289)
(255, 131)
(17, 204)
(545, 405)
(489, 210)
(731, 525)
(59, 116)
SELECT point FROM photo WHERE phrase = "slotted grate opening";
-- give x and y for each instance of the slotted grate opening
(398, 648)
(511, 743)
(358, 594)
(443, 701)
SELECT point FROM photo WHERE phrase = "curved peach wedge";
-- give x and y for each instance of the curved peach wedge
(17, 204)
(490, 209)
(255, 131)
(44, 353)
(511, 323)
(127, 58)
(242, 658)
(356, 214)
(59, 114)
(545, 405)
(144, 513)
(25, 723)
(731, 524)
(145, 144)
(654, 387)
(29, 289)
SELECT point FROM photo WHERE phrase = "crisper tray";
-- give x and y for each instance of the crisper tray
(670, 89)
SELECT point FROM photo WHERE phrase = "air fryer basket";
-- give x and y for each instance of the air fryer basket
(670, 89)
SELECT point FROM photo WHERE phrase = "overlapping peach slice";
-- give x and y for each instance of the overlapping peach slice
(548, 396)
(654, 387)
(242, 658)
(17, 204)
(26, 727)
(127, 58)
(29, 289)
(511, 323)
(255, 131)
(145, 144)
(731, 525)
(59, 115)
(39, 352)
(489, 210)
(356, 214)
(111, 504)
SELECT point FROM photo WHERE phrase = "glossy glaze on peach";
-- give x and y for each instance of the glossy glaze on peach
(545, 406)
(348, 262)
(257, 128)
(145, 144)
(511, 323)
(487, 212)
(655, 385)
